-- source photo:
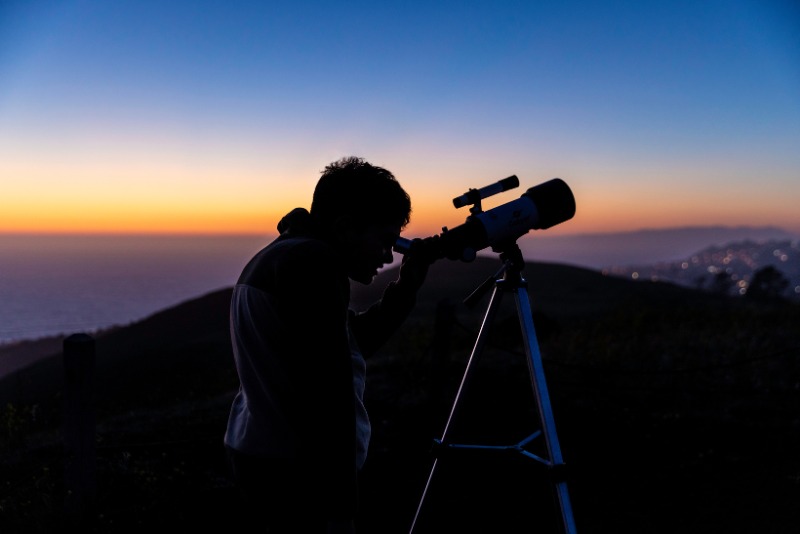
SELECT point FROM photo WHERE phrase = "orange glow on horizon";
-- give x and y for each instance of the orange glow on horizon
(195, 221)
(237, 213)
(176, 207)
(94, 218)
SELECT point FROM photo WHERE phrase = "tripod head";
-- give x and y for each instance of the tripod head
(511, 273)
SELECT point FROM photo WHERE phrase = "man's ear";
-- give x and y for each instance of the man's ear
(344, 228)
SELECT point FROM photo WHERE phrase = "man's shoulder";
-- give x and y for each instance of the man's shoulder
(285, 257)
(294, 249)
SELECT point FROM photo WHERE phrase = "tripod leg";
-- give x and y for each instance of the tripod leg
(536, 369)
(480, 342)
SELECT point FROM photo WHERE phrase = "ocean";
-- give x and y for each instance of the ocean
(53, 285)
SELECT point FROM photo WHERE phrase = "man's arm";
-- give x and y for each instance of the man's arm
(374, 326)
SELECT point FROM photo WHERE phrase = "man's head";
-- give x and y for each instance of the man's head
(369, 194)
(364, 208)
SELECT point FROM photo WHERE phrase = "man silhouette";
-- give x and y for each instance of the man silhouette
(298, 431)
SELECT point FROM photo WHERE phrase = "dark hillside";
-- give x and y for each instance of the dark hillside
(677, 412)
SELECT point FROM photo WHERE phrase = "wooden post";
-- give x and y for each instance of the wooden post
(80, 454)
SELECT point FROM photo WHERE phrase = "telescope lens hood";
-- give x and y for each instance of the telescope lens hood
(554, 201)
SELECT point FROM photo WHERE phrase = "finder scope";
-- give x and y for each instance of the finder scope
(539, 208)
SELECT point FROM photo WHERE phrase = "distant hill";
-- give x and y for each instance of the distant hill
(640, 247)
(135, 361)
(729, 268)
(555, 289)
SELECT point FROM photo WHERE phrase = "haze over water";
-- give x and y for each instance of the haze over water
(51, 285)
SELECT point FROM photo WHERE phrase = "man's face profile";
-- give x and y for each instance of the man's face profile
(369, 250)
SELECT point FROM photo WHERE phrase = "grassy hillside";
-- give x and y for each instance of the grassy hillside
(676, 411)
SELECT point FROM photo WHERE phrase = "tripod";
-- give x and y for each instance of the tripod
(513, 282)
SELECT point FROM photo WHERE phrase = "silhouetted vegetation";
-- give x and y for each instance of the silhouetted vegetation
(768, 283)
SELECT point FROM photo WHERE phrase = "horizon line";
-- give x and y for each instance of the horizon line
(156, 233)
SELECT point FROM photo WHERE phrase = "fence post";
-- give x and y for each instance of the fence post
(79, 429)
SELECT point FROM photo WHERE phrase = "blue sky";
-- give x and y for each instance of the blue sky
(201, 115)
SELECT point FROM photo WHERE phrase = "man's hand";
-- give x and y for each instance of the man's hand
(414, 268)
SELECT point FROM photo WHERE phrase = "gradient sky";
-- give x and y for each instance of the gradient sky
(154, 116)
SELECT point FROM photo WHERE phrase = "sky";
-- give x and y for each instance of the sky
(217, 117)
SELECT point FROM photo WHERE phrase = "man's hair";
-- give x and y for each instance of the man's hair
(370, 194)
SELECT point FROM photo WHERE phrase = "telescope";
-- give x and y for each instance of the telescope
(540, 207)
